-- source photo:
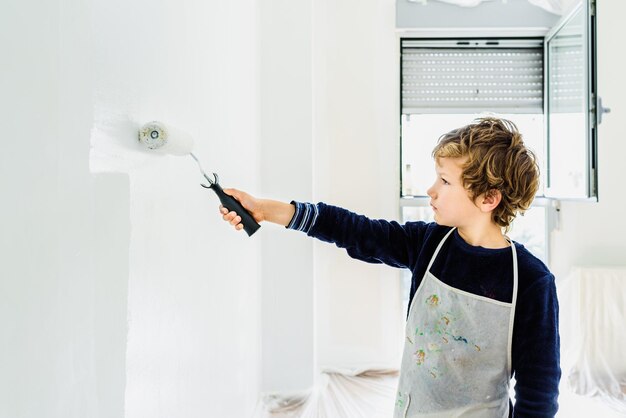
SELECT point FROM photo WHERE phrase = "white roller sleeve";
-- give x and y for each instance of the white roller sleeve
(116, 145)
(165, 139)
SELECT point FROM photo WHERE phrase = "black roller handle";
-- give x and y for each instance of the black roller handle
(230, 203)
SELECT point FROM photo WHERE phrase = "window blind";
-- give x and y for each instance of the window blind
(567, 78)
(470, 76)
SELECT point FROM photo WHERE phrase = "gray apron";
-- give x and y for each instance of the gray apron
(457, 352)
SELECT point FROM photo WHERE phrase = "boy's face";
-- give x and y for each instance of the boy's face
(450, 199)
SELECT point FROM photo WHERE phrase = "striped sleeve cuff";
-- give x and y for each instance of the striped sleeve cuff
(304, 217)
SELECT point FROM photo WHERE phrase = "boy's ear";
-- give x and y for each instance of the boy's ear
(491, 200)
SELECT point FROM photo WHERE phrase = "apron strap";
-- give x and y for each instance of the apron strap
(513, 304)
(432, 259)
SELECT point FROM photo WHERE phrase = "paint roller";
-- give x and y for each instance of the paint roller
(165, 139)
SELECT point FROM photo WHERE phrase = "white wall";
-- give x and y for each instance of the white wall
(286, 129)
(46, 346)
(125, 295)
(356, 165)
(63, 305)
(326, 91)
(193, 287)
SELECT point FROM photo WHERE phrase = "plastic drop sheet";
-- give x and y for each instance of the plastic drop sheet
(593, 333)
(350, 393)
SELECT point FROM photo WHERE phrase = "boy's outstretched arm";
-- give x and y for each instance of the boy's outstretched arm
(370, 240)
(261, 209)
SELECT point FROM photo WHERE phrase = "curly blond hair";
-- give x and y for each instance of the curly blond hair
(497, 159)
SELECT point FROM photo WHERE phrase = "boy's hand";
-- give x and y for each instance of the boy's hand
(250, 203)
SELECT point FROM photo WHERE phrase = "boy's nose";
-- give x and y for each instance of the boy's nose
(430, 192)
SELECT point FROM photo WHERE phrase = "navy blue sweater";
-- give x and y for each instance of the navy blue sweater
(478, 270)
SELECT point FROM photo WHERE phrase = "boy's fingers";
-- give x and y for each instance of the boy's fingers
(231, 216)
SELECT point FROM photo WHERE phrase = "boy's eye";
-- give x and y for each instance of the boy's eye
(444, 181)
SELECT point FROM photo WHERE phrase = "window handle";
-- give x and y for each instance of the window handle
(601, 110)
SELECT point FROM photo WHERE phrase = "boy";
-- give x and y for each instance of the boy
(482, 308)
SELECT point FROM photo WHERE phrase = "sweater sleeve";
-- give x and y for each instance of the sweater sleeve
(370, 240)
(304, 216)
(536, 351)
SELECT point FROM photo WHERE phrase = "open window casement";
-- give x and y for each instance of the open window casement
(571, 110)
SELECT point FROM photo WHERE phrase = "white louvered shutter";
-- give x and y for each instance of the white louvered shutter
(465, 76)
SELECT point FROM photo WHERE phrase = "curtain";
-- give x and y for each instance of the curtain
(592, 315)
